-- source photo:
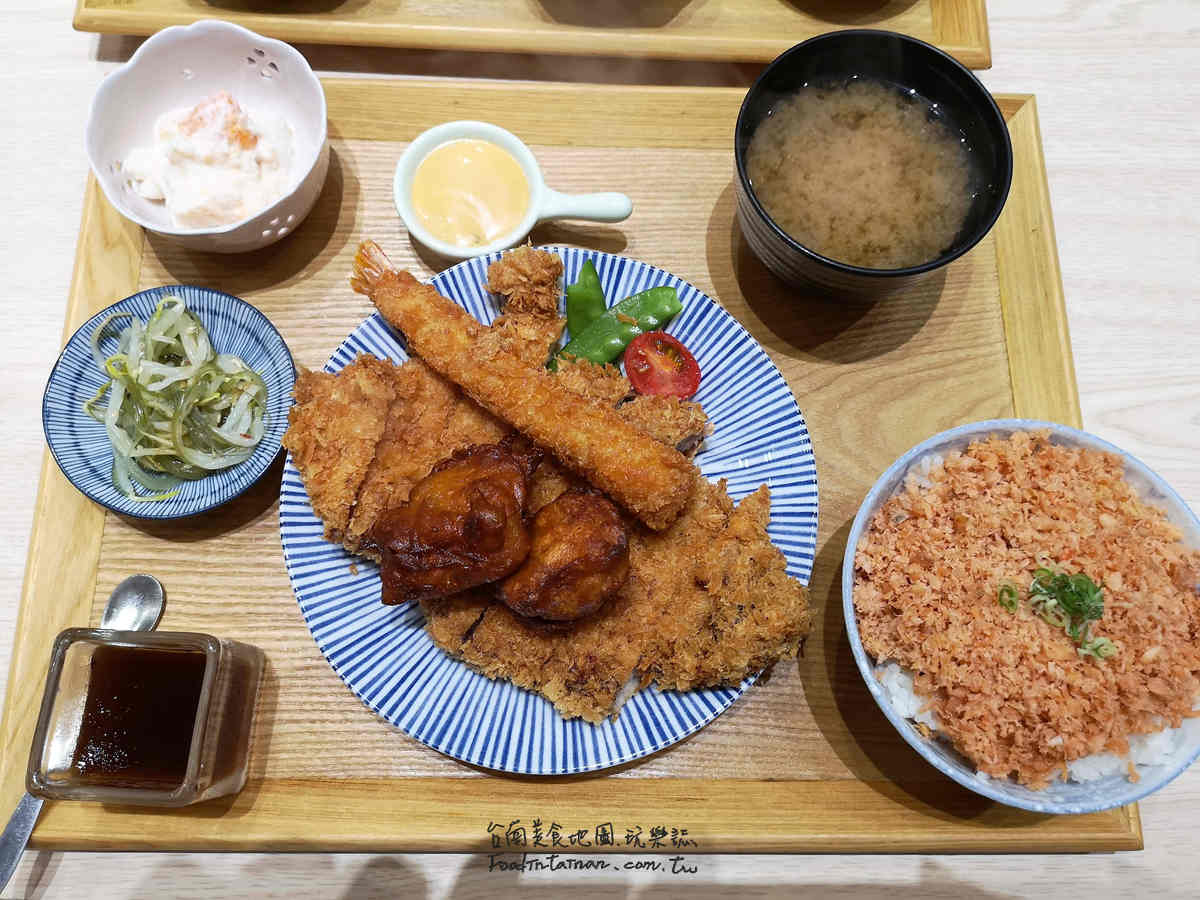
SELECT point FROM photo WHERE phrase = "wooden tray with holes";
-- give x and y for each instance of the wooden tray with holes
(804, 761)
(733, 30)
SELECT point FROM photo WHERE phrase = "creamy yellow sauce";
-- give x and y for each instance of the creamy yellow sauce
(470, 192)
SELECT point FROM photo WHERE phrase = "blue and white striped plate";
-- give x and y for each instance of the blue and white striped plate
(79, 443)
(383, 652)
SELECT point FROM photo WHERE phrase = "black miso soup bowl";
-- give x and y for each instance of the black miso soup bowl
(835, 58)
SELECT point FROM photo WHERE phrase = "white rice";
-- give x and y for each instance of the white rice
(1154, 749)
(628, 689)
(919, 472)
(897, 681)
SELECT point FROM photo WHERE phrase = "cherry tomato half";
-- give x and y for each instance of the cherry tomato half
(657, 363)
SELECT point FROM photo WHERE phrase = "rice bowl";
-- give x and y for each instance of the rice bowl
(1094, 782)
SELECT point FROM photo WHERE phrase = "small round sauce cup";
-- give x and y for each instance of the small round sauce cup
(544, 202)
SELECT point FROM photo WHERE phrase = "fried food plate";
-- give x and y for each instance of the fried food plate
(383, 653)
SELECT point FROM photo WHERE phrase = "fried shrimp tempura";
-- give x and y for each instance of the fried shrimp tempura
(649, 479)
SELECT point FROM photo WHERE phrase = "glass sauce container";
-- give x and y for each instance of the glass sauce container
(150, 718)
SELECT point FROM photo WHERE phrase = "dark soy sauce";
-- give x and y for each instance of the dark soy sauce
(138, 717)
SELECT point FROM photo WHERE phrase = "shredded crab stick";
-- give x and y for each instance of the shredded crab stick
(649, 479)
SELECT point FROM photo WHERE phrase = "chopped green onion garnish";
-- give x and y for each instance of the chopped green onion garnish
(1009, 598)
(1100, 648)
(1069, 602)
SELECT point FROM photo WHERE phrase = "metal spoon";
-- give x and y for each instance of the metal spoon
(136, 604)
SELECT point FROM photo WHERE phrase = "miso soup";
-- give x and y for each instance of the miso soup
(863, 173)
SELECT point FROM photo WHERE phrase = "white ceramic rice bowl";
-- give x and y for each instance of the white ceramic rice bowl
(179, 66)
(1060, 797)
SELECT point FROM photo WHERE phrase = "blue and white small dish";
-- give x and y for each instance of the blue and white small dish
(80, 444)
(1061, 797)
(384, 654)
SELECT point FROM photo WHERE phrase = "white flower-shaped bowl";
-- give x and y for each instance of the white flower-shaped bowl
(1061, 797)
(180, 66)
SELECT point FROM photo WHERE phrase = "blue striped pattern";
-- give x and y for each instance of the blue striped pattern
(79, 443)
(383, 653)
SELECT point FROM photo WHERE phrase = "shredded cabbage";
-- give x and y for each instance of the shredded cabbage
(176, 409)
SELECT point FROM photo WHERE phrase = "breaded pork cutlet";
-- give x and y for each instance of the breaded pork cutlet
(707, 602)
(734, 609)
(333, 431)
(650, 480)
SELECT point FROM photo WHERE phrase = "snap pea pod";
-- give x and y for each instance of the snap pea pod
(585, 300)
(607, 337)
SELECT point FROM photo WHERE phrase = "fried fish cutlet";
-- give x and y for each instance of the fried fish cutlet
(333, 430)
(428, 420)
(649, 479)
(421, 406)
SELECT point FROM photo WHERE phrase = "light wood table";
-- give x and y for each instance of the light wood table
(1117, 90)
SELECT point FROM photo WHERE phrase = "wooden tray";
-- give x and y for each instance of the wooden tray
(802, 762)
(750, 30)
